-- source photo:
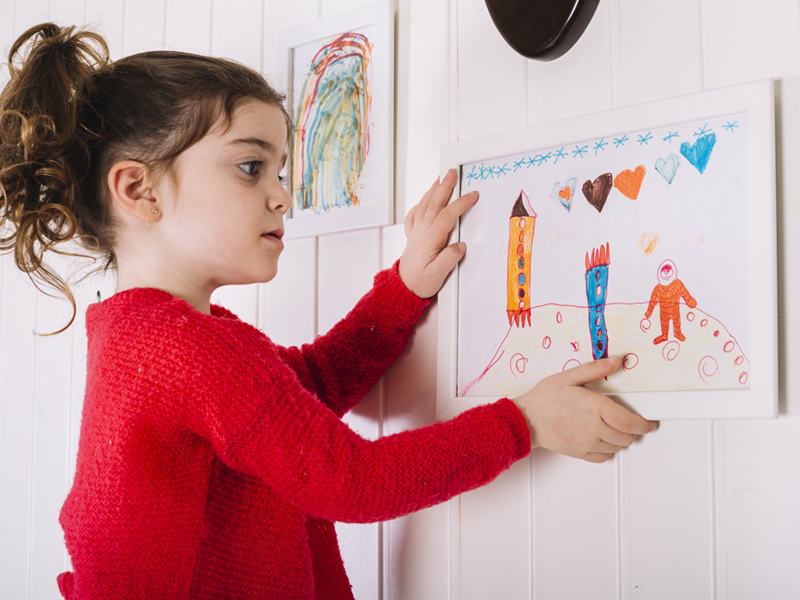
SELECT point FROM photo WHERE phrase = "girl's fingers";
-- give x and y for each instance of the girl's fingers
(440, 198)
(408, 222)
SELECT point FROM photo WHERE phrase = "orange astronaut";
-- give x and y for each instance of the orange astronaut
(668, 294)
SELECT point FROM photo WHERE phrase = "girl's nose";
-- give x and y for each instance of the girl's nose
(279, 200)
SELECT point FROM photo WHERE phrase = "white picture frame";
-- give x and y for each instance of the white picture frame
(756, 101)
(349, 202)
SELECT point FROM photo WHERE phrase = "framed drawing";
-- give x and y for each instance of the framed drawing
(340, 73)
(647, 232)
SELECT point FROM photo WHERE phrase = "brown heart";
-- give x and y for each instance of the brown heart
(597, 193)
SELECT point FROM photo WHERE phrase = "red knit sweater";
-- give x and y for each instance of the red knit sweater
(212, 462)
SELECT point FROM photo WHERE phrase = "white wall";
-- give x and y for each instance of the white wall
(699, 509)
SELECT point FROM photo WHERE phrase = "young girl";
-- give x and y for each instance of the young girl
(212, 463)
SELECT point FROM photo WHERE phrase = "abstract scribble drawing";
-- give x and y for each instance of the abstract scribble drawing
(667, 294)
(596, 288)
(521, 226)
(331, 137)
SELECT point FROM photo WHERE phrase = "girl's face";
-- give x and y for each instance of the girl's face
(223, 210)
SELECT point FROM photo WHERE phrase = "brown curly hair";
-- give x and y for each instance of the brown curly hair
(68, 114)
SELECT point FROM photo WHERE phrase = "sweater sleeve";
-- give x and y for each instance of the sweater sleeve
(341, 366)
(262, 421)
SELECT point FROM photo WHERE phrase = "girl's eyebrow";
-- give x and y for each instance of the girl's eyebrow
(264, 145)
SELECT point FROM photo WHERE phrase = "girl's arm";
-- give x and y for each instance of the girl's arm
(341, 366)
(263, 422)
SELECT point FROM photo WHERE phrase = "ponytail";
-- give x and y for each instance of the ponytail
(44, 152)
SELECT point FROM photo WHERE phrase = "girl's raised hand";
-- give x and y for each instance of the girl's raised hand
(568, 418)
(427, 259)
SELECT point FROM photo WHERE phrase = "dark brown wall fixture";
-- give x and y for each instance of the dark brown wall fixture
(541, 29)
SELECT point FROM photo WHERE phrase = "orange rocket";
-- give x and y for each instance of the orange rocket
(520, 245)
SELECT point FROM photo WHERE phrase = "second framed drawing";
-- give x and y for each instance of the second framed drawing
(647, 233)
(339, 73)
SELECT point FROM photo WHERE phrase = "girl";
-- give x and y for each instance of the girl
(212, 462)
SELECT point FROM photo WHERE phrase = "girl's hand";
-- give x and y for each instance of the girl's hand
(567, 418)
(427, 260)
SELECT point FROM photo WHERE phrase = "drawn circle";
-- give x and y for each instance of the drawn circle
(521, 236)
(522, 303)
(575, 346)
(743, 378)
(671, 350)
(599, 290)
(707, 368)
(518, 364)
(546, 342)
(520, 249)
(716, 333)
(597, 322)
(571, 364)
(729, 345)
(599, 346)
(644, 325)
(559, 318)
(521, 263)
(521, 293)
(739, 360)
(521, 278)
(630, 361)
(704, 322)
(521, 223)
(690, 316)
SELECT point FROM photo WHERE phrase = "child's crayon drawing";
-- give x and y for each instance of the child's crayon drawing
(331, 129)
(536, 289)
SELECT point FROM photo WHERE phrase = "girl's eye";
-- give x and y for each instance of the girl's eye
(251, 167)
(283, 179)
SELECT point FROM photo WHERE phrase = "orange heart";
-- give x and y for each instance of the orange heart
(566, 193)
(628, 182)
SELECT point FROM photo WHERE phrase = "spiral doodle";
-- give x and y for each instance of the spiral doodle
(707, 368)
(671, 350)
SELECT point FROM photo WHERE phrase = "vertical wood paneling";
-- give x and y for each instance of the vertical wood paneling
(762, 495)
(422, 98)
(144, 26)
(578, 530)
(68, 12)
(578, 83)
(107, 17)
(661, 49)
(416, 558)
(670, 513)
(342, 282)
(17, 385)
(495, 549)
(29, 14)
(237, 31)
(753, 40)
(492, 78)
(290, 300)
(188, 26)
(50, 466)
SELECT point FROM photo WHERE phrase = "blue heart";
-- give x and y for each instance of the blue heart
(699, 153)
(667, 168)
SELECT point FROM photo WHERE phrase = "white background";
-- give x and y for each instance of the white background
(698, 510)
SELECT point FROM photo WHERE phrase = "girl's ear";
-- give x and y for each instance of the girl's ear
(130, 184)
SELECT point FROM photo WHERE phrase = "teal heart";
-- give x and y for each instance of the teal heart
(700, 152)
(668, 167)
(564, 193)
